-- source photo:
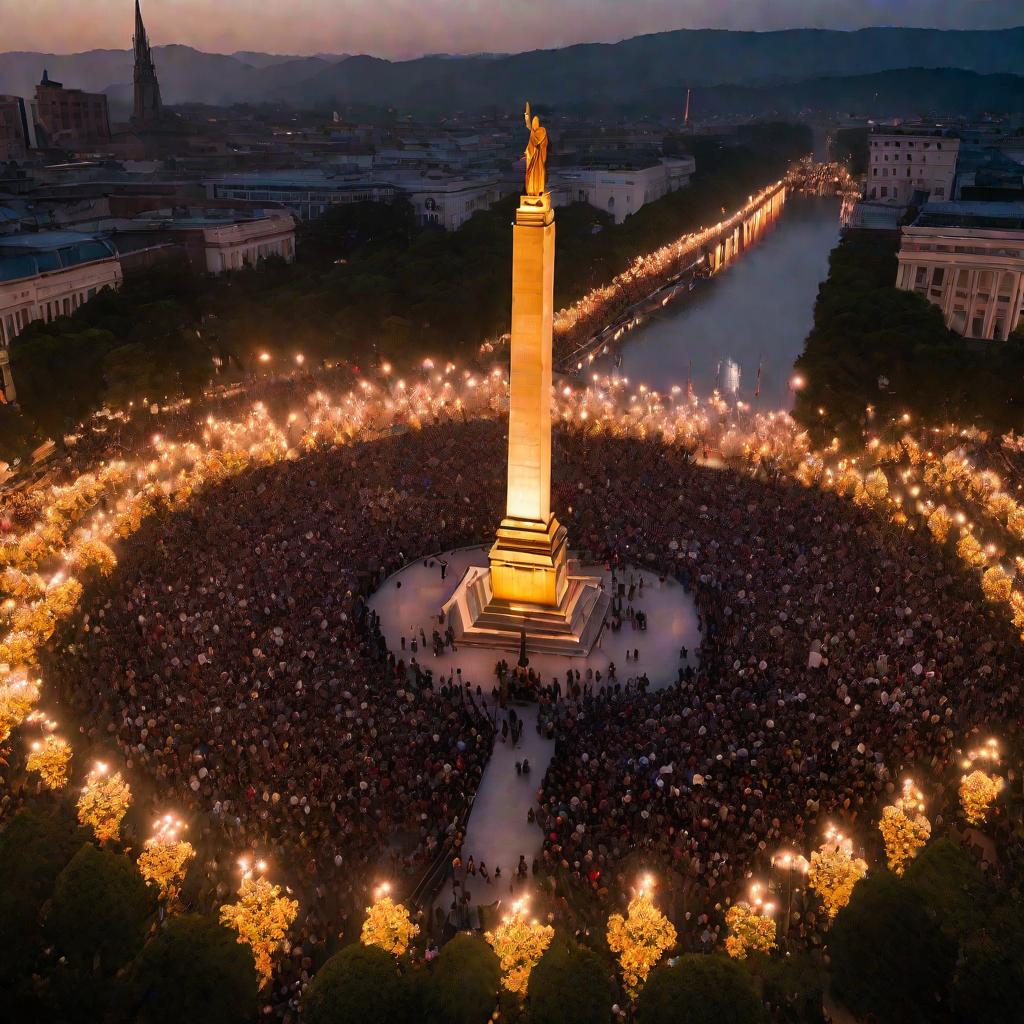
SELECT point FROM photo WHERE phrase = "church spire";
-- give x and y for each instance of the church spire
(140, 40)
(148, 108)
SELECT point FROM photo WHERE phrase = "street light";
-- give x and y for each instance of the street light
(790, 863)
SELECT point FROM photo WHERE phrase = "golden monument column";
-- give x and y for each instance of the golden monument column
(528, 586)
(528, 557)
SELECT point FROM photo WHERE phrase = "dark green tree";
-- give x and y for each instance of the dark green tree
(888, 957)
(35, 846)
(463, 982)
(989, 984)
(951, 884)
(792, 987)
(570, 985)
(99, 910)
(193, 970)
(699, 989)
(356, 985)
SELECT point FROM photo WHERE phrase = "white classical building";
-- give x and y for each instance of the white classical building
(621, 192)
(214, 240)
(901, 163)
(45, 275)
(244, 243)
(449, 202)
(968, 259)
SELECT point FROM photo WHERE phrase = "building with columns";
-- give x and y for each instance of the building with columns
(45, 275)
(212, 240)
(968, 259)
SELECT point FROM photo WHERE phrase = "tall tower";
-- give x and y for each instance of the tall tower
(531, 597)
(148, 109)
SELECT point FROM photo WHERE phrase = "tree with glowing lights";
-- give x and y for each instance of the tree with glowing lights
(51, 758)
(165, 858)
(104, 802)
(18, 694)
(834, 871)
(262, 917)
(978, 789)
(940, 523)
(388, 925)
(904, 828)
(978, 792)
(519, 943)
(640, 939)
(751, 930)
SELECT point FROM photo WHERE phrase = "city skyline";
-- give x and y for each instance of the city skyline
(403, 29)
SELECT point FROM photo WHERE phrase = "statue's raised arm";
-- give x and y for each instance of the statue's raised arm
(536, 155)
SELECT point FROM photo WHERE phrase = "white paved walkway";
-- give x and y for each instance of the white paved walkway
(498, 830)
(412, 598)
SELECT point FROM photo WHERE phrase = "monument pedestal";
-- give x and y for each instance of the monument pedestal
(528, 585)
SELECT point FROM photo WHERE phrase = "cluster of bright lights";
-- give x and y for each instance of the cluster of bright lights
(103, 802)
(904, 828)
(165, 858)
(641, 938)
(388, 924)
(261, 916)
(834, 871)
(751, 928)
(979, 788)
(519, 942)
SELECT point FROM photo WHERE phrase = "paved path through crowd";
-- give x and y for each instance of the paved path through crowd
(499, 831)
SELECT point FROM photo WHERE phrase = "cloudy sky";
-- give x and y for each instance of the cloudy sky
(408, 28)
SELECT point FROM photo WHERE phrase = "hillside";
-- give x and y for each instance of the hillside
(613, 75)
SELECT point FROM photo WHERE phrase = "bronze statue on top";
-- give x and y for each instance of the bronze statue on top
(536, 154)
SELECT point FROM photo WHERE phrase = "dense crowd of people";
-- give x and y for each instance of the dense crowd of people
(233, 664)
(839, 653)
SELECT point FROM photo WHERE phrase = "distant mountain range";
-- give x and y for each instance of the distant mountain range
(732, 72)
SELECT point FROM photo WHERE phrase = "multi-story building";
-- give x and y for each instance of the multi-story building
(69, 117)
(440, 200)
(308, 193)
(14, 133)
(622, 192)
(449, 202)
(968, 259)
(45, 275)
(902, 163)
(213, 240)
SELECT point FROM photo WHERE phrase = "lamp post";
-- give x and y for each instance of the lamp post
(790, 863)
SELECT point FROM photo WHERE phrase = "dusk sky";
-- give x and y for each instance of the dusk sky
(409, 28)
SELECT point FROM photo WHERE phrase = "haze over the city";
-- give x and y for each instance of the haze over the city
(409, 28)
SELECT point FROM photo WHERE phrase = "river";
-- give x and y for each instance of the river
(756, 312)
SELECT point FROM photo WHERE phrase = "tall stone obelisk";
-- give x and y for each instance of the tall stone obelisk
(528, 586)
(528, 559)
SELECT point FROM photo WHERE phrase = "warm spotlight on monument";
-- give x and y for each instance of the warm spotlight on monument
(529, 587)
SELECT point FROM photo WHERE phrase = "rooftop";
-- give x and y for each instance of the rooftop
(44, 252)
(1000, 216)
